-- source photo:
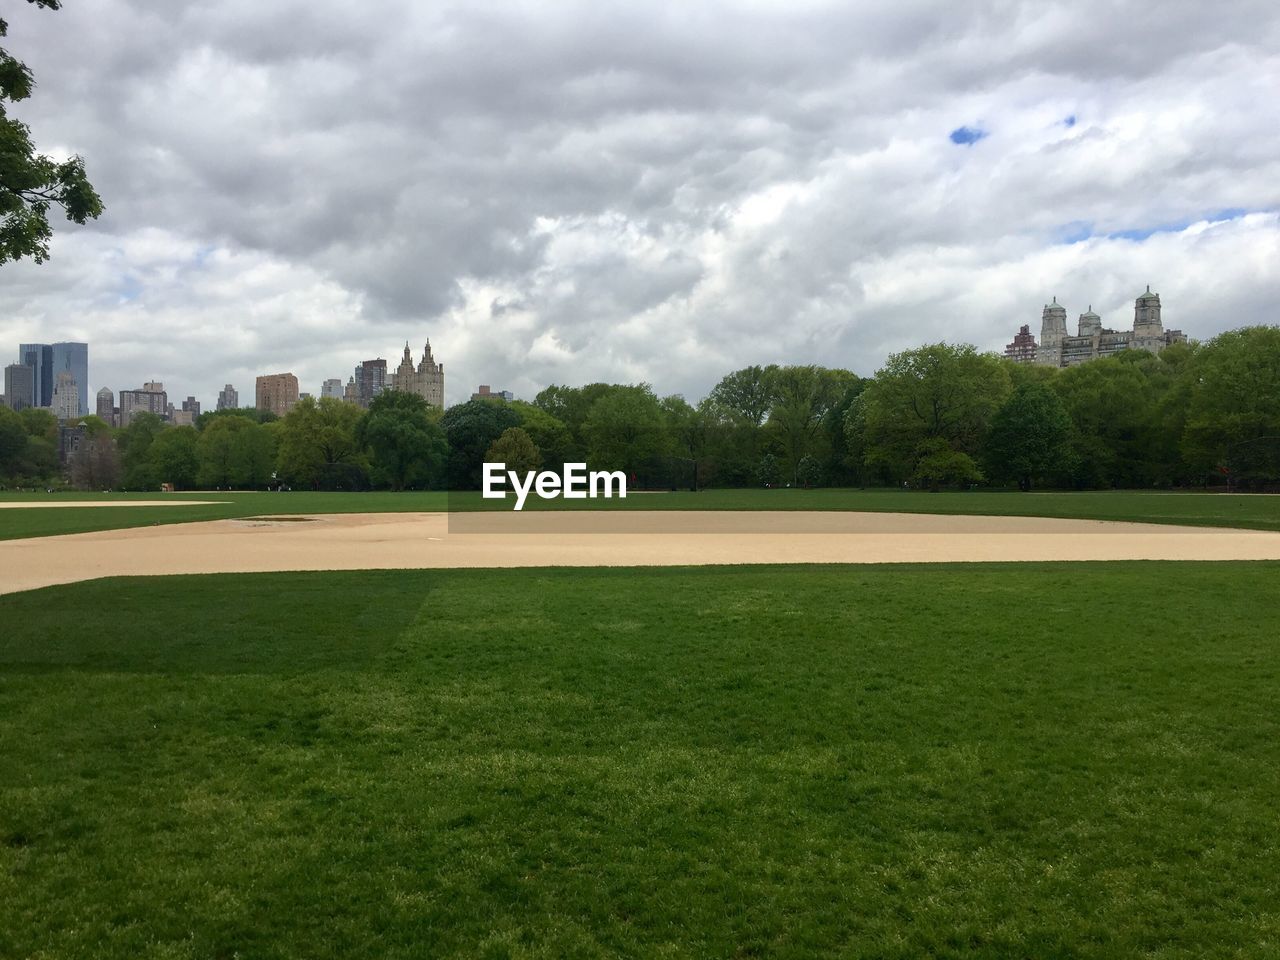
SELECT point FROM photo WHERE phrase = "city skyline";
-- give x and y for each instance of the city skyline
(624, 195)
(362, 392)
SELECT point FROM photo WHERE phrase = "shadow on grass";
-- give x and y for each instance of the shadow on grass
(283, 623)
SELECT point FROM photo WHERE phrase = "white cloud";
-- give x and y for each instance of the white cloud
(590, 191)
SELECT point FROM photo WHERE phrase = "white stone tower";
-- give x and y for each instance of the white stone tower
(1090, 323)
(1146, 315)
(1053, 330)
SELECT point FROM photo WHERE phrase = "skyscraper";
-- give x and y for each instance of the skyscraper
(331, 388)
(19, 386)
(228, 398)
(107, 406)
(277, 392)
(151, 398)
(47, 360)
(66, 397)
(73, 358)
(39, 357)
(371, 380)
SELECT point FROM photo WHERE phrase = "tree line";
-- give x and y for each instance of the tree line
(941, 415)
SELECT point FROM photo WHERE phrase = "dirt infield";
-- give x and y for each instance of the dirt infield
(651, 538)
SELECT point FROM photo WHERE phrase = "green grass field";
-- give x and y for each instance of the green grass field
(1061, 760)
(1199, 509)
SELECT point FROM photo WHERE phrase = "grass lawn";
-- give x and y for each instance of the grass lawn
(1054, 760)
(1199, 509)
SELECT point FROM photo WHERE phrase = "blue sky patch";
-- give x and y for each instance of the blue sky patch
(1075, 232)
(1079, 230)
(1069, 121)
(966, 136)
(130, 287)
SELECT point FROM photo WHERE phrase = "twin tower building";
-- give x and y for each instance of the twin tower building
(1057, 348)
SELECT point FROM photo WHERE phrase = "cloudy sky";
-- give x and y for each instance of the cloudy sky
(563, 192)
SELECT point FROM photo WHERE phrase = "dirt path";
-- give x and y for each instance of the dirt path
(661, 538)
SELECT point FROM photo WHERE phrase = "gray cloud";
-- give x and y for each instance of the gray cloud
(662, 192)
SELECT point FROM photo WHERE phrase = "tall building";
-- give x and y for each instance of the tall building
(66, 397)
(106, 406)
(1058, 349)
(277, 392)
(426, 380)
(192, 406)
(370, 380)
(19, 386)
(332, 389)
(39, 357)
(150, 399)
(228, 398)
(73, 358)
(47, 360)
(1023, 348)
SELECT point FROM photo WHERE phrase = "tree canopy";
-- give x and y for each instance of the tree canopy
(939, 415)
(31, 184)
(408, 448)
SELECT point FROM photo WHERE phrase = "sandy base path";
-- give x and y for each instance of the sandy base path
(661, 538)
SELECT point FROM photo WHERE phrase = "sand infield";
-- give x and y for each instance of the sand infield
(639, 538)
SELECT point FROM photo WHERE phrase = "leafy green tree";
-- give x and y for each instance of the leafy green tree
(255, 453)
(317, 445)
(551, 436)
(841, 469)
(515, 450)
(937, 392)
(39, 460)
(39, 422)
(1023, 373)
(31, 183)
(1110, 403)
(570, 405)
(739, 404)
(802, 398)
(769, 471)
(809, 471)
(408, 448)
(28, 445)
(686, 427)
(937, 464)
(244, 413)
(1030, 437)
(471, 428)
(215, 457)
(1233, 420)
(135, 443)
(235, 452)
(624, 429)
(746, 395)
(1172, 375)
(855, 443)
(171, 457)
(13, 442)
